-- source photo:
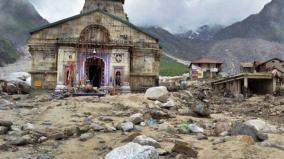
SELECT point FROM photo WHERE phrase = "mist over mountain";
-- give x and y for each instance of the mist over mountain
(204, 32)
(17, 18)
(258, 37)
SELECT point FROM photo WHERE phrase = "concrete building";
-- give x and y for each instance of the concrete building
(248, 84)
(247, 67)
(271, 65)
(255, 78)
(205, 68)
(99, 45)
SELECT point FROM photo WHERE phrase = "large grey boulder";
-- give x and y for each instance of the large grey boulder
(201, 109)
(262, 126)
(239, 128)
(145, 140)
(157, 93)
(133, 151)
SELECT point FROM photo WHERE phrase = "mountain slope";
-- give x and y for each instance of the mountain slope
(267, 25)
(17, 18)
(205, 32)
(258, 37)
(180, 47)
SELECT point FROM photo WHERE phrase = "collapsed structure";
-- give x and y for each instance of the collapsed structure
(255, 78)
(99, 45)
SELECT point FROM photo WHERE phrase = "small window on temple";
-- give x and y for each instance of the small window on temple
(70, 57)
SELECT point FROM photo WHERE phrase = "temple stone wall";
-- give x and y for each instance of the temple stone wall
(135, 54)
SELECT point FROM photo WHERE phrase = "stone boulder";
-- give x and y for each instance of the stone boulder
(170, 104)
(262, 126)
(127, 126)
(23, 88)
(86, 136)
(11, 88)
(194, 128)
(157, 93)
(4, 104)
(3, 130)
(166, 127)
(201, 109)
(183, 148)
(133, 151)
(6, 123)
(145, 140)
(239, 128)
(17, 140)
(136, 118)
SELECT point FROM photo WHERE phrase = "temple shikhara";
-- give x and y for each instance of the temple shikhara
(99, 46)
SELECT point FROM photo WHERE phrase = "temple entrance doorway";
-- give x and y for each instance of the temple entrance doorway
(95, 71)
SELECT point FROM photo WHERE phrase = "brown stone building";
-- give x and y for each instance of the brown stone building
(205, 68)
(99, 45)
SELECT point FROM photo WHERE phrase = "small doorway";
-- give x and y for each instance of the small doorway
(95, 71)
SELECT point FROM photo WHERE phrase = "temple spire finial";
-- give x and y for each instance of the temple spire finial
(114, 7)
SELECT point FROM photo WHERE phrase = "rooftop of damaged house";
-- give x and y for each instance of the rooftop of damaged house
(92, 88)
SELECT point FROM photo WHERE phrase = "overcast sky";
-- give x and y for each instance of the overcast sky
(173, 15)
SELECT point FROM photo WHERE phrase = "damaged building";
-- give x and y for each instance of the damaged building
(256, 78)
(99, 46)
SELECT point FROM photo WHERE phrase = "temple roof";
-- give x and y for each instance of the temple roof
(87, 13)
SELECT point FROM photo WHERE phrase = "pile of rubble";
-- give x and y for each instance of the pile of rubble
(16, 83)
(158, 124)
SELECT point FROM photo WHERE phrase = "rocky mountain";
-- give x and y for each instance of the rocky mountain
(17, 18)
(267, 25)
(205, 32)
(258, 37)
(178, 46)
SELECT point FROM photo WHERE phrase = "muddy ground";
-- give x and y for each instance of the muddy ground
(62, 121)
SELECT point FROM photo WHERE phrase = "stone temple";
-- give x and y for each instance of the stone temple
(99, 46)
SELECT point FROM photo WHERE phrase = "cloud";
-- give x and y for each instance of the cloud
(173, 15)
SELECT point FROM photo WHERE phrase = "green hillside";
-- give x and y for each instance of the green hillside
(170, 67)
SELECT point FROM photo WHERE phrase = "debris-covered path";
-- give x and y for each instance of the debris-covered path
(193, 123)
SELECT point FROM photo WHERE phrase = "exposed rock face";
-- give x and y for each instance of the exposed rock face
(15, 25)
(133, 151)
(267, 25)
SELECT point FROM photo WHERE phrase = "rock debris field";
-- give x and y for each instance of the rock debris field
(191, 123)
